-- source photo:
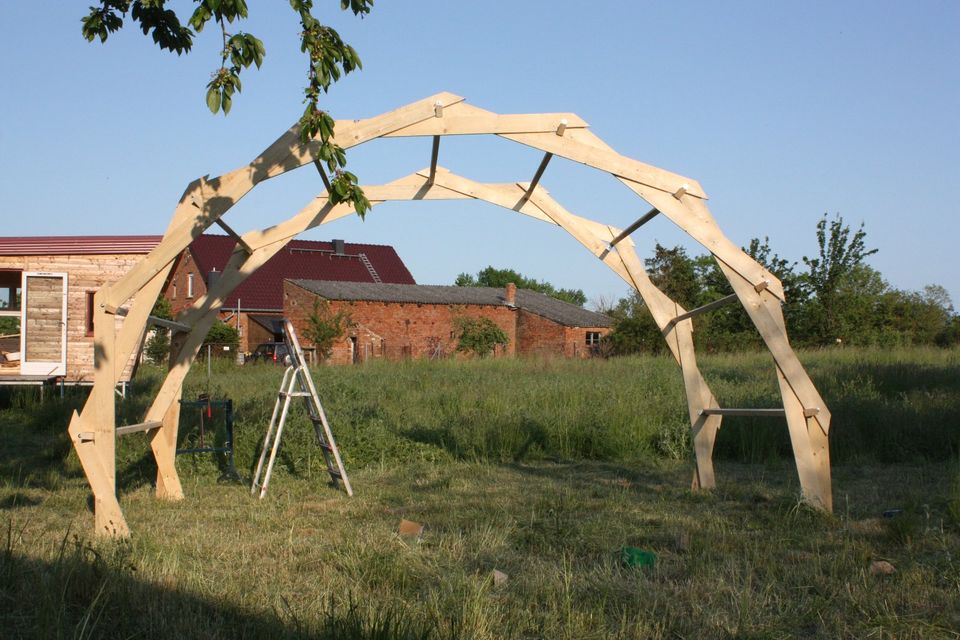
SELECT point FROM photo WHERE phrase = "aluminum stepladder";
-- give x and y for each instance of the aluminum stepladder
(298, 383)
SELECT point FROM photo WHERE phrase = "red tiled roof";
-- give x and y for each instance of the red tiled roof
(76, 245)
(300, 259)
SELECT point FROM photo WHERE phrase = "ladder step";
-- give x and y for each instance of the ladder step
(295, 394)
(135, 428)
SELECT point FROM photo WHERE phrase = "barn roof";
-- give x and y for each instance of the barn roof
(306, 259)
(543, 305)
(76, 245)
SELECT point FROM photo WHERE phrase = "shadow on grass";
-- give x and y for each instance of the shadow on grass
(89, 591)
(507, 440)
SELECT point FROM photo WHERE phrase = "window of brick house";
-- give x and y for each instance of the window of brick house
(593, 338)
(189, 285)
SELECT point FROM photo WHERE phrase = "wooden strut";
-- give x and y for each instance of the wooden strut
(205, 201)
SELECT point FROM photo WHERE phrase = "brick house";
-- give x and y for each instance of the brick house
(47, 285)
(256, 306)
(394, 321)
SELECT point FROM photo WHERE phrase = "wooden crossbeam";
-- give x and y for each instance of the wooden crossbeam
(173, 325)
(137, 428)
(233, 234)
(647, 217)
(434, 155)
(710, 306)
(757, 413)
(537, 176)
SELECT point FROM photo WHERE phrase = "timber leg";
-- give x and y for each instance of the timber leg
(808, 418)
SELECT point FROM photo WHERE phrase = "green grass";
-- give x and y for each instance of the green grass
(541, 469)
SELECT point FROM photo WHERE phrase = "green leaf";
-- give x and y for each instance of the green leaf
(213, 99)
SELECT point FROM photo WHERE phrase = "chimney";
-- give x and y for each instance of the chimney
(338, 247)
(511, 295)
(212, 279)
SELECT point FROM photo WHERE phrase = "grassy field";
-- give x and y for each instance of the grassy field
(543, 470)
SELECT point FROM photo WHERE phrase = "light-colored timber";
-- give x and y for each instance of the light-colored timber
(206, 200)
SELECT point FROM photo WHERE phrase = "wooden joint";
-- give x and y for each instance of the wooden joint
(109, 308)
(763, 285)
(437, 109)
(562, 127)
(85, 436)
(811, 412)
(682, 191)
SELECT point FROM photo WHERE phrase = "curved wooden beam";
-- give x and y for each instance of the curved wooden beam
(207, 200)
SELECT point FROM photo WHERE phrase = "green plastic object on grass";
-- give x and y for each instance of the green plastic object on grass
(634, 557)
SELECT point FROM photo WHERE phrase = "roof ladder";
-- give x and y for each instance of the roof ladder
(369, 265)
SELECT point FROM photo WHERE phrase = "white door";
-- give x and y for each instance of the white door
(43, 325)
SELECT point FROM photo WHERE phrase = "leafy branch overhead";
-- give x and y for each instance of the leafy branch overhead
(329, 58)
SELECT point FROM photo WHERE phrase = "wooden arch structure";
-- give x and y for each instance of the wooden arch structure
(93, 431)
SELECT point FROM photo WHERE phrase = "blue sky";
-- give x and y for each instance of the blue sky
(782, 111)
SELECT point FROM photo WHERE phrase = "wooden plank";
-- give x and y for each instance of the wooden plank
(754, 413)
(138, 428)
(288, 153)
(434, 156)
(590, 154)
(810, 449)
(108, 517)
(452, 124)
(506, 196)
(537, 175)
(163, 444)
(233, 234)
(644, 219)
(710, 306)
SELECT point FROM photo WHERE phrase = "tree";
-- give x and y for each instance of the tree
(222, 335)
(499, 278)
(158, 345)
(328, 56)
(830, 280)
(325, 327)
(479, 336)
(674, 273)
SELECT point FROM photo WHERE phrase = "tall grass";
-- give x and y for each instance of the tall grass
(888, 406)
(542, 469)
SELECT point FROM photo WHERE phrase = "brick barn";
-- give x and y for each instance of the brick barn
(256, 306)
(395, 321)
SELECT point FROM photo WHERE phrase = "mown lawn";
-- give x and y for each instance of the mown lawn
(543, 470)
